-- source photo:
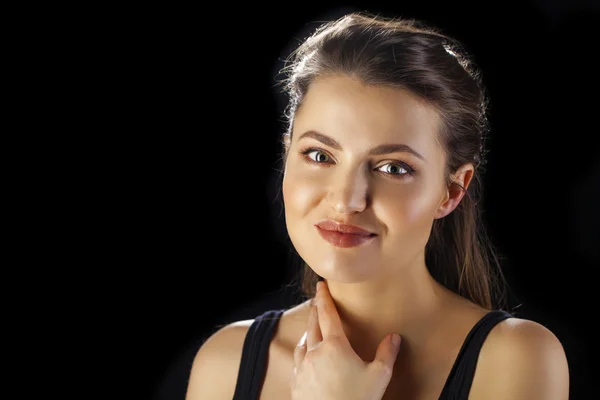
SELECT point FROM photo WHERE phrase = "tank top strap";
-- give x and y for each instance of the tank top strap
(461, 375)
(253, 363)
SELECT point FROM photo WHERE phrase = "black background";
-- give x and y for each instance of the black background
(197, 241)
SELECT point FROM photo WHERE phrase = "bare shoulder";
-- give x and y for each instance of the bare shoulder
(216, 364)
(521, 359)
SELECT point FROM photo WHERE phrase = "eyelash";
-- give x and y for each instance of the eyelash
(409, 170)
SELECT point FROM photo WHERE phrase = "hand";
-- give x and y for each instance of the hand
(327, 368)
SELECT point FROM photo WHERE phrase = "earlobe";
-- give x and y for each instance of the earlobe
(452, 198)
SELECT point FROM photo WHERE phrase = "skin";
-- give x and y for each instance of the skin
(354, 188)
(382, 287)
(325, 348)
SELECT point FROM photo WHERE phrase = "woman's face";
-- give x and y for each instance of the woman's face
(353, 160)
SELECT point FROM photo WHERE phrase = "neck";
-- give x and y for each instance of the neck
(406, 304)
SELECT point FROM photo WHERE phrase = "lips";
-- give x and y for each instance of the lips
(333, 226)
(344, 236)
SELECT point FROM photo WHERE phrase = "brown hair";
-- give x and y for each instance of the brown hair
(406, 54)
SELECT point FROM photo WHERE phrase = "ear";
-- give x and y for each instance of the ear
(454, 193)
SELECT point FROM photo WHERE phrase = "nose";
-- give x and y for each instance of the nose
(348, 192)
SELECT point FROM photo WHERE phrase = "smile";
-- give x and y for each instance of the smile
(345, 240)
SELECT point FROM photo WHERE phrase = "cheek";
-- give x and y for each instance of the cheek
(416, 209)
(408, 214)
(300, 193)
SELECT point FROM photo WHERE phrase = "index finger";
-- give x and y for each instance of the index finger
(314, 336)
(329, 319)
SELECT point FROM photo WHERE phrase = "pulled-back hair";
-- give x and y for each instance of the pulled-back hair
(406, 54)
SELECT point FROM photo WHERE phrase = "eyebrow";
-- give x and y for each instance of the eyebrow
(377, 151)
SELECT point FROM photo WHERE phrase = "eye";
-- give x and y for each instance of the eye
(396, 169)
(317, 156)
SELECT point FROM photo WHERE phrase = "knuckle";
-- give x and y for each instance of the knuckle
(332, 348)
(382, 368)
(310, 357)
(333, 343)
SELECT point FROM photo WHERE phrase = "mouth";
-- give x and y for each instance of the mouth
(344, 236)
(333, 226)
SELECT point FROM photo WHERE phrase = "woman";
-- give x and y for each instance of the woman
(383, 161)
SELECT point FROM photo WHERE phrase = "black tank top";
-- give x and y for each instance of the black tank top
(256, 345)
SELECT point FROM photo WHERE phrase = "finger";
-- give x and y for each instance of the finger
(314, 336)
(329, 319)
(300, 352)
(387, 352)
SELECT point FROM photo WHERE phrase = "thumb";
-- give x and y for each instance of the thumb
(387, 352)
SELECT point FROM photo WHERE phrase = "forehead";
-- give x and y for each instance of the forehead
(361, 116)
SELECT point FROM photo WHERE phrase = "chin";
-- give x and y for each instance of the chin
(344, 268)
(347, 265)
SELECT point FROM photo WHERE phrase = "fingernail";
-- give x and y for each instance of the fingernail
(396, 340)
(319, 284)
